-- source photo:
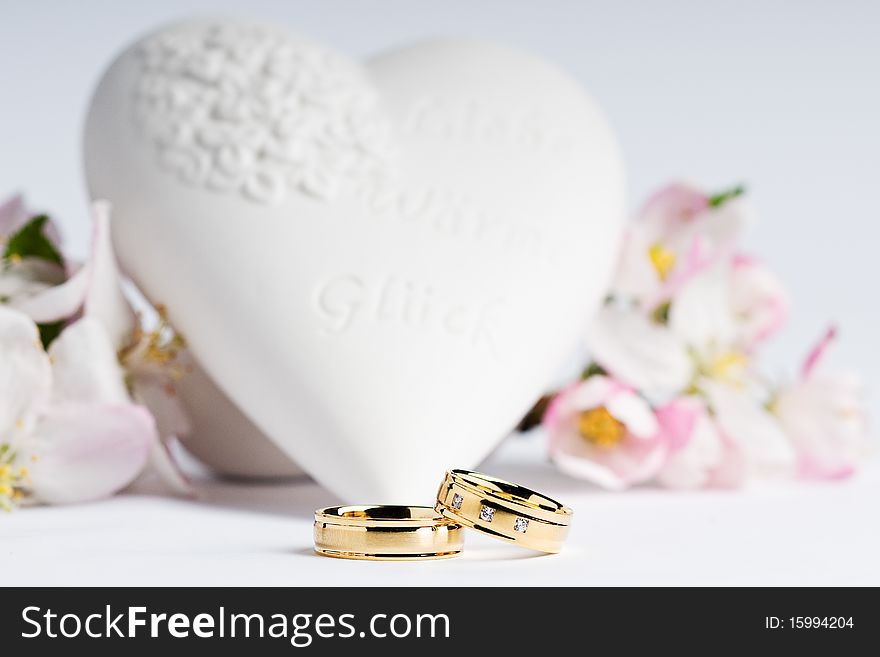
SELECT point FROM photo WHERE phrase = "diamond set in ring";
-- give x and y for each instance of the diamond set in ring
(487, 513)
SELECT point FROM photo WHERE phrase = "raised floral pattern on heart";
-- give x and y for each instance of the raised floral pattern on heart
(248, 109)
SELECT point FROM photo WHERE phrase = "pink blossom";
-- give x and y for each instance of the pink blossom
(823, 415)
(674, 208)
(602, 431)
(66, 415)
(640, 353)
(700, 455)
(89, 384)
(681, 210)
(759, 301)
(677, 233)
(36, 286)
(148, 364)
(718, 439)
(14, 214)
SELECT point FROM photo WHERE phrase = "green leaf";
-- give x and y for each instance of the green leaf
(31, 242)
(50, 331)
(593, 369)
(722, 197)
(661, 313)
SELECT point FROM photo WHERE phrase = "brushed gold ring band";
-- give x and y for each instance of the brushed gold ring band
(504, 510)
(383, 532)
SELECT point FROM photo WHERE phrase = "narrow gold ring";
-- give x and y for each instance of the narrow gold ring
(391, 533)
(503, 510)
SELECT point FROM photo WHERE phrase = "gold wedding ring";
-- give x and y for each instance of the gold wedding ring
(503, 510)
(379, 532)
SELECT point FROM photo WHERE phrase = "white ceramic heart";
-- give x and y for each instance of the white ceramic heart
(383, 268)
(224, 438)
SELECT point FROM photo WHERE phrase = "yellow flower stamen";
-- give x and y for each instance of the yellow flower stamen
(598, 427)
(160, 346)
(662, 259)
(728, 366)
(13, 478)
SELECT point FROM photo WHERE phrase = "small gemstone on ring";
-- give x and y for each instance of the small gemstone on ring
(520, 525)
(487, 513)
(456, 501)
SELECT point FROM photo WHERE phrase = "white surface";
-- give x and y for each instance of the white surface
(347, 317)
(787, 534)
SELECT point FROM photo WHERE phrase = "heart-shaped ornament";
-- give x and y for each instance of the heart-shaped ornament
(224, 438)
(383, 266)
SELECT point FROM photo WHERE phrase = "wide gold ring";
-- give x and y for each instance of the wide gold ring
(391, 533)
(504, 510)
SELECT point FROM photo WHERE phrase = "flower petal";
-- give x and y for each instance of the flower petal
(85, 367)
(591, 393)
(164, 405)
(13, 215)
(635, 413)
(673, 209)
(700, 313)
(750, 426)
(678, 418)
(697, 448)
(172, 421)
(25, 375)
(162, 473)
(725, 226)
(104, 298)
(89, 451)
(617, 468)
(588, 470)
(635, 276)
(632, 459)
(695, 259)
(817, 353)
(641, 354)
(758, 299)
(56, 302)
(825, 418)
(732, 471)
(28, 276)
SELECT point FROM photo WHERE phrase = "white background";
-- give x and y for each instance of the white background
(784, 96)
